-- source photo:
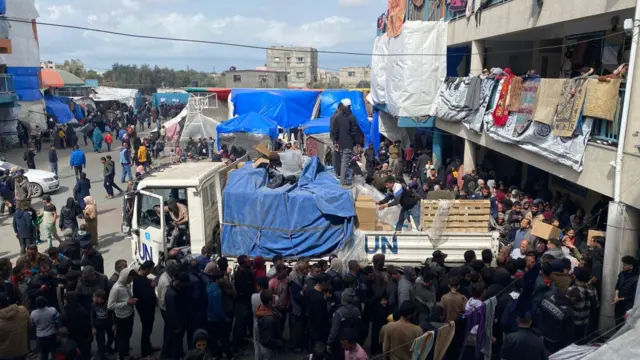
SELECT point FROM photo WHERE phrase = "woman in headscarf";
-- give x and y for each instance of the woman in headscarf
(90, 213)
(335, 276)
(96, 138)
(82, 189)
(68, 215)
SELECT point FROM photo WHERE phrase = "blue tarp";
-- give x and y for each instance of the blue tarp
(374, 136)
(56, 107)
(311, 218)
(169, 98)
(317, 126)
(289, 108)
(329, 100)
(77, 109)
(26, 82)
(250, 123)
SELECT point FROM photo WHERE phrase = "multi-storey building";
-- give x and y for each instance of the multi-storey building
(300, 63)
(351, 76)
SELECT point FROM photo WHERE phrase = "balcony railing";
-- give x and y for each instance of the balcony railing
(6, 84)
(604, 131)
(453, 15)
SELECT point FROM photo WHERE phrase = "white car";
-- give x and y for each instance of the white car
(41, 181)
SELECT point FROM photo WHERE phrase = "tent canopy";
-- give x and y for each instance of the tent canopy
(125, 96)
(288, 108)
(56, 107)
(317, 126)
(53, 78)
(251, 123)
(329, 100)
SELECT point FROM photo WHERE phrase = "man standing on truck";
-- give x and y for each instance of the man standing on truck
(398, 194)
(344, 129)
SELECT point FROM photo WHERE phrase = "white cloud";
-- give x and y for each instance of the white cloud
(353, 2)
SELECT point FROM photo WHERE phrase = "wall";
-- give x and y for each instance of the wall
(498, 54)
(286, 59)
(597, 174)
(360, 73)
(515, 15)
(253, 79)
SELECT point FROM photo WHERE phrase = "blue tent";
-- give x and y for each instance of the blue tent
(317, 126)
(251, 123)
(329, 100)
(56, 107)
(289, 108)
(311, 218)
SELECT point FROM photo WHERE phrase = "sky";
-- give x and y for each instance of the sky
(338, 25)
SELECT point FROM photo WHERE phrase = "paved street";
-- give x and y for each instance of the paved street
(113, 244)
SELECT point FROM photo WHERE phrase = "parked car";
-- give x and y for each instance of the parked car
(41, 181)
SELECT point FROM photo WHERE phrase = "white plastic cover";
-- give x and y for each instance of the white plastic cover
(31, 113)
(379, 69)
(25, 50)
(389, 128)
(125, 96)
(416, 68)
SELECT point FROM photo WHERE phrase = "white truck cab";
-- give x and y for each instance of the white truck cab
(195, 185)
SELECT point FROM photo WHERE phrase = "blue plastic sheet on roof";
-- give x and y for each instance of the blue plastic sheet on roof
(375, 131)
(329, 100)
(289, 108)
(312, 218)
(3, 7)
(251, 123)
(317, 126)
(58, 109)
(26, 82)
(169, 98)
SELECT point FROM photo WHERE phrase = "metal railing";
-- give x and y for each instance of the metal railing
(604, 131)
(6, 84)
(454, 15)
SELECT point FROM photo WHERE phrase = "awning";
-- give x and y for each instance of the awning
(54, 78)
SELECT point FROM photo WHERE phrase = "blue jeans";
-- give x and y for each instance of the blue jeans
(414, 212)
(54, 167)
(126, 171)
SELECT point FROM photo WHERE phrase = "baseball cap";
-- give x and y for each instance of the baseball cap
(147, 265)
(439, 255)
(346, 102)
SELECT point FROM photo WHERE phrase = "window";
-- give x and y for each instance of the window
(237, 78)
(150, 210)
(262, 78)
(351, 73)
(279, 78)
(288, 59)
(286, 78)
(276, 59)
(212, 193)
(300, 75)
(300, 59)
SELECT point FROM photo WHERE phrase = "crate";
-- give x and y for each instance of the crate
(463, 215)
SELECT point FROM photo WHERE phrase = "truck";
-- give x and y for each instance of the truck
(199, 187)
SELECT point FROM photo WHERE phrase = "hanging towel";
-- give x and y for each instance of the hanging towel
(397, 10)
(500, 113)
(601, 99)
(472, 100)
(487, 344)
(457, 5)
(422, 346)
(570, 107)
(548, 95)
(443, 340)
(527, 101)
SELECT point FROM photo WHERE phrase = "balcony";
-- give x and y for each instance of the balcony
(7, 90)
(454, 15)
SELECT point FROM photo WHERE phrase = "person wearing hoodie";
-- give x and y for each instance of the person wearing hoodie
(218, 323)
(82, 189)
(14, 324)
(170, 272)
(23, 227)
(121, 302)
(394, 274)
(560, 276)
(269, 327)
(318, 311)
(143, 290)
(44, 284)
(200, 347)
(335, 275)
(347, 316)
(406, 291)
(177, 304)
(78, 321)
(77, 161)
(626, 285)
(555, 320)
(425, 294)
(344, 132)
(69, 213)
(554, 249)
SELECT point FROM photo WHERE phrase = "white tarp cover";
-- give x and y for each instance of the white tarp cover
(125, 96)
(389, 128)
(197, 125)
(416, 67)
(379, 69)
(24, 47)
(31, 113)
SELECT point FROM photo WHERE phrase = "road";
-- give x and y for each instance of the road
(112, 243)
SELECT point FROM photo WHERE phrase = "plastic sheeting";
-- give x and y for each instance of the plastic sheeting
(32, 113)
(379, 69)
(388, 126)
(56, 107)
(26, 82)
(412, 81)
(251, 123)
(288, 108)
(329, 100)
(125, 96)
(312, 218)
(317, 126)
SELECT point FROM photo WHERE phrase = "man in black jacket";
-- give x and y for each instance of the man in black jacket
(245, 287)
(109, 173)
(398, 194)
(92, 257)
(318, 311)
(344, 130)
(78, 321)
(523, 344)
(176, 301)
(143, 290)
(269, 329)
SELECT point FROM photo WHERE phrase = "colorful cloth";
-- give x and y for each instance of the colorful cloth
(547, 97)
(500, 113)
(397, 12)
(422, 346)
(570, 107)
(457, 5)
(443, 340)
(524, 114)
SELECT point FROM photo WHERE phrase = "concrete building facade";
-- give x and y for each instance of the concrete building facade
(254, 79)
(352, 75)
(300, 64)
(328, 77)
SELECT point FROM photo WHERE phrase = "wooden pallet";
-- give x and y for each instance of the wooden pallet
(463, 215)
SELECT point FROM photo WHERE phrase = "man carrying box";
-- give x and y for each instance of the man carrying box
(397, 194)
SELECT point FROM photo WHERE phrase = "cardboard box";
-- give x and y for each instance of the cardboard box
(362, 197)
(545, 231)
(593, 233)
(366, 213)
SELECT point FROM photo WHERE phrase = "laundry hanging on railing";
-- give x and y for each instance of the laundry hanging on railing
(547, 98)
(525, 109)
(602, 98)
(569, 110)
(397, 10)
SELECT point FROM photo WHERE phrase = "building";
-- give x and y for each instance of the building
(300, 63)
(351, 76)
(328, 78)
(47, 65)
(556, 38)
(254, 79)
